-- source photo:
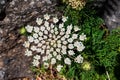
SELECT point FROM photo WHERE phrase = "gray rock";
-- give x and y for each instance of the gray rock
(2, 74)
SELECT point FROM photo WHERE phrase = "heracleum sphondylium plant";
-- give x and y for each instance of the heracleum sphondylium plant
(51, 43)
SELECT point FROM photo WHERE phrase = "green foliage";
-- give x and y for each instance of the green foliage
(23, 31)
(102, 47)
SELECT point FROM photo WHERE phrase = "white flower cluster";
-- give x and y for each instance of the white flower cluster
(51, 42)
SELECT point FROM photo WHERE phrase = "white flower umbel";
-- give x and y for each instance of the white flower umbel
(58, 57)
(28, 53)
(46, 65)
(46, 16)
(76, 28)
(39, 21)
(79, 59)
(30, 39)
(82, 37)
(59, 67)
(29, 28)
(37, 57)
(67, 61)
(26, 44)
(55, 20)
(35, 62)
(36, 29)
(53, 61)
(71, 52)
(52, 42)
(64, 19)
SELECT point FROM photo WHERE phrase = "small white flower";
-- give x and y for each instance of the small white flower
(82, 37)
(39, 21)
(59, 67)
(70, 46)
(67, 36)
(68, 32)
(46, 24)
(64, 19)
(56, 32)
(54, 45)
(69, 27)
(52, 31)
(36, 29)
(54, 53)
(67, 61)
(58, 57)
(39, 45)
(35, 35)
(46, 65)
(53, 61)
(76, 43)
(33, 48)
(59, 45)
(44, 47)
(48, 47)
(40, 38)
(42, 28)
(47, 43)
(63, 51)
(62, 33)
(42, 51)
(29, 28)
(47, 52)
(61, 25)
(64, 47)
(56, 29)
(35, 63)
(45, 37)
(70, 40)
(42, 42)
(45, 32)
(58, 41)
(63, 38)
(37, 57)
(63, 29)
(64, 42)
(40, 33)
(51, 49)
(79, 59)
(76, 28)
(45, 58)
(28, 53)
(46, 16)
(48, 28)
(58, 37)
(81, 48)
(52, 26)
(50, 56)
(71, 52)
(58, 50)
(26, 44)
(36, 41)
(30, 39)
(55, 20)
(75, 36)
(38, 50)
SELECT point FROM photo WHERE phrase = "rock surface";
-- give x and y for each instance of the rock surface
(13, 63)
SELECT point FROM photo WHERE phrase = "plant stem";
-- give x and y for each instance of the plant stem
(108, 75)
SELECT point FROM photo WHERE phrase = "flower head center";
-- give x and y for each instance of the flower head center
(52, 42)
